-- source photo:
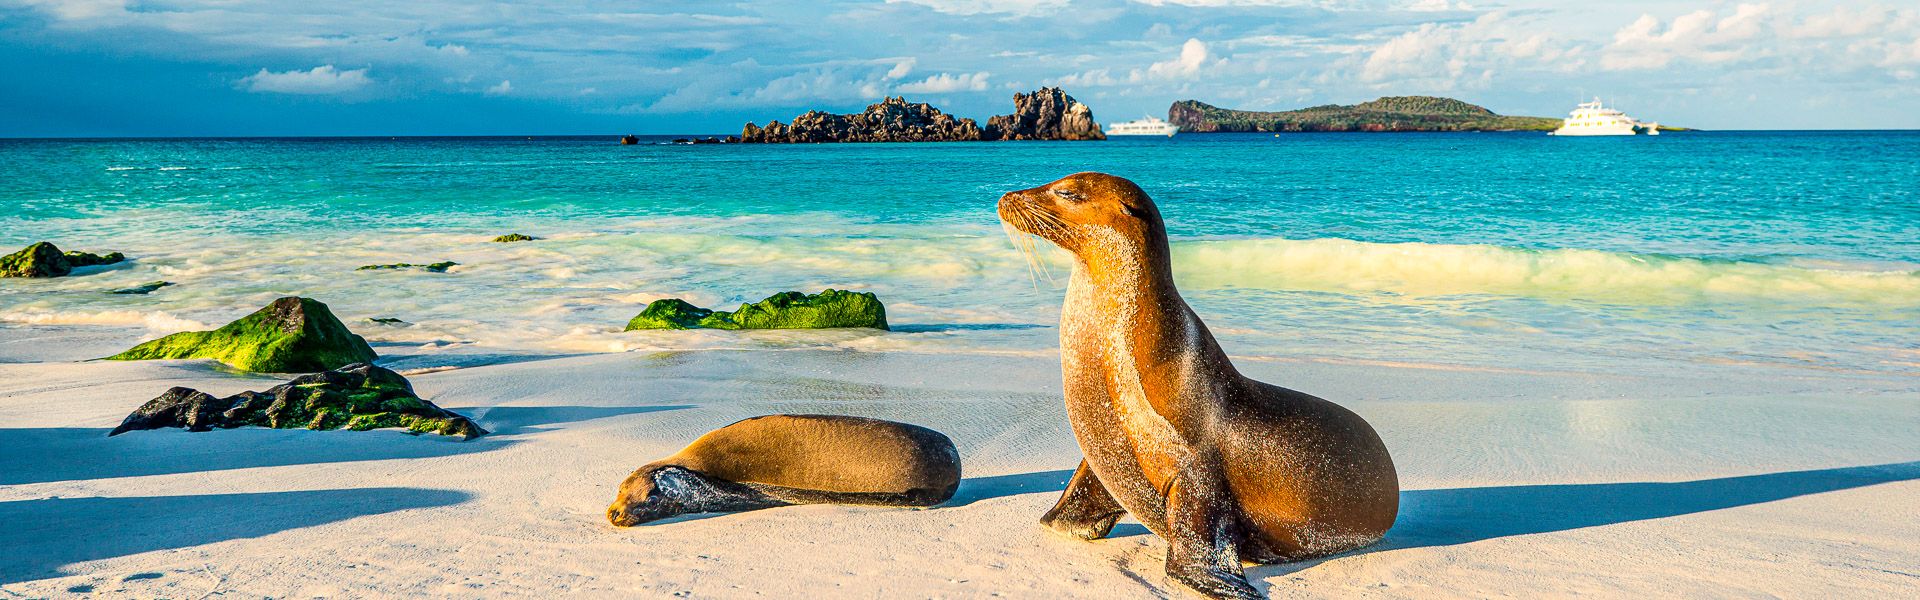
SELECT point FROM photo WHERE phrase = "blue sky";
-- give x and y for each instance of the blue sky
(378, 67)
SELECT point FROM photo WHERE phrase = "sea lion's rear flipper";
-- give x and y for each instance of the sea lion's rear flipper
(1085, 510)
(1203, 536)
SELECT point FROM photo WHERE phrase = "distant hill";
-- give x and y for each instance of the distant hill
(1392, 113)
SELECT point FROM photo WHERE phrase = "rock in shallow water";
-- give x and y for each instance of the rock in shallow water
(439, 267)
(514, 237)
(291, 335)
(142, 289)
(357, 397)
(785, 310)
(43, 259)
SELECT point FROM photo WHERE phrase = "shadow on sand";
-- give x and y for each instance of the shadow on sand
(1445, 517)
(1463, 515)
(41, 536)
(975, 489)
(38, 455)
(510, 420)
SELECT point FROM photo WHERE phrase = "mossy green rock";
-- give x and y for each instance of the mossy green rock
(43, 259)
(514, 237)
(292, 335)
(356, 397)
(785, 310)
(439, 267)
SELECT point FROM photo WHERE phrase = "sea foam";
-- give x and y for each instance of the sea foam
(1422, 269)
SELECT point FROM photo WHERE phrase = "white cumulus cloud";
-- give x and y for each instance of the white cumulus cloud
(324, 79)
(500, 89)
(1193, 55)
(947, 82)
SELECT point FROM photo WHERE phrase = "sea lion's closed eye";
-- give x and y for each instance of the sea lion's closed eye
(1068, 195)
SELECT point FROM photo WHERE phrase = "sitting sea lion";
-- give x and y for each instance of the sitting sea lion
(1225, 468)
(777, 460)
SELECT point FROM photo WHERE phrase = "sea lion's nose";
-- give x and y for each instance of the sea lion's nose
(1008, 201)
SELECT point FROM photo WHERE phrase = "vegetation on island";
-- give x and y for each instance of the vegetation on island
(785, 310)
(291, 335)
(1393, 113)
(439, 267)
(43, 259)
(357, 397)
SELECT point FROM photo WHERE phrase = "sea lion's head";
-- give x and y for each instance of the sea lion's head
(1087, 211)
(649, 494)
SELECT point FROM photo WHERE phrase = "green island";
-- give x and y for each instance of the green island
(291, 335)
(785, 310)
(1392, 113)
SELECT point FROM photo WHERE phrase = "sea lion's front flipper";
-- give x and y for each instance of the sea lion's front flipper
(699, 493)
(1085, 509)
(1203, 536)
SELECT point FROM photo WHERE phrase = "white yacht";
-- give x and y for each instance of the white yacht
(1147, 126)
(1593, 118)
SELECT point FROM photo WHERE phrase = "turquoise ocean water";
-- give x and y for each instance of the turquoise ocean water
(1775, 250)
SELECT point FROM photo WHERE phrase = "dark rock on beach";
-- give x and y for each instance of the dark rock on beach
(1045, 114)
(785, 310)
(513, 237)
(143, 289)
(291, 335)
(439, 267)
(356, 397)
(43, 259)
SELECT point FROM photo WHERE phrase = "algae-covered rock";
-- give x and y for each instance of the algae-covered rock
(292, 335)
(785, 310)
(43, 259)
(144, 288)
(670, 313)
(514, 237)
(357, 397)
(439, 267)
(386, 321)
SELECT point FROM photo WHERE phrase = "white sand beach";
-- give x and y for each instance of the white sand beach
(1724, 482)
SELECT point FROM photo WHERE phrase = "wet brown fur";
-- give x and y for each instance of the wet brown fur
(1225, 468)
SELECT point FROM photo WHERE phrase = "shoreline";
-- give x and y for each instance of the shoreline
(1573, 475)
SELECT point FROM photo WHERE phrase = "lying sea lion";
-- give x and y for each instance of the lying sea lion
(778, 460)
(1225, 468)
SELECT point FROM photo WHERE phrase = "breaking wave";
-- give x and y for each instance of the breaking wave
(1422, 269)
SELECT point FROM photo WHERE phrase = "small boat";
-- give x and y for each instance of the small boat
(1594, 118)
(1147, 126)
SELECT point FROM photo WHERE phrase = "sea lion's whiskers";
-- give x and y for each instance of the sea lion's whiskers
(1017, 237)
(1043, 221)
(1023, 240)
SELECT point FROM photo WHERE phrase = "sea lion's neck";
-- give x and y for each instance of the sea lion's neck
(1122, 305)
